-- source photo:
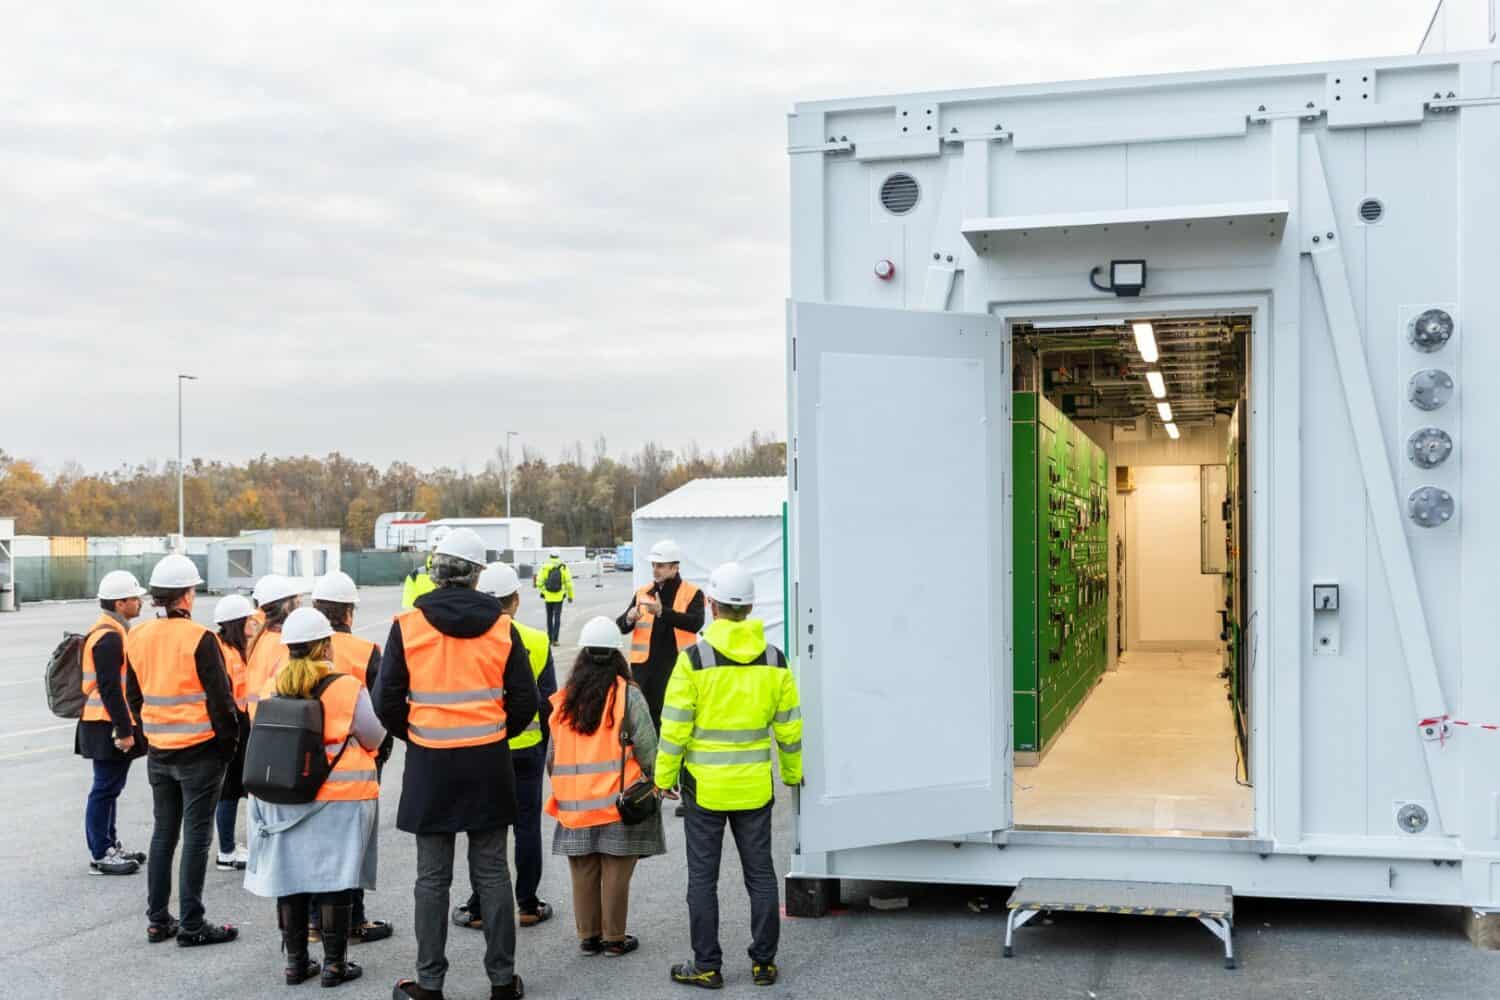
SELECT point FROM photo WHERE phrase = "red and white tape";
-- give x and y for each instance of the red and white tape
(1437, 729)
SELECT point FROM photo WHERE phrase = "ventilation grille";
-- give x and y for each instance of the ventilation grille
(899, 193)
(1370, 210)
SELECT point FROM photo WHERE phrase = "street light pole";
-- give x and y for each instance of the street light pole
(508, 468)
(181, 519)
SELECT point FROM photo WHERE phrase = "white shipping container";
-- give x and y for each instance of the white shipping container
(1326, 208)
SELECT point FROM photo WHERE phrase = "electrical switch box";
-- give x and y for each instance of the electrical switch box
(1326, 619)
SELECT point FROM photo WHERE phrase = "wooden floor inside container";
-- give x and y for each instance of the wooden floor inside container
(1151, 750)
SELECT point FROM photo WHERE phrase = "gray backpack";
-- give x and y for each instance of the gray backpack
(64, 678)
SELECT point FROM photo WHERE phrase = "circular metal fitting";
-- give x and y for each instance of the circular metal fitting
(1430, 506)
(1431, 330)
(1430, 388)
(1412, 818)
(1429, 447)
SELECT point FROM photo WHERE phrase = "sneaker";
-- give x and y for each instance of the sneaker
(763, 973)
(235, 861)
(113, 864)
(139, 857)
(690, 975)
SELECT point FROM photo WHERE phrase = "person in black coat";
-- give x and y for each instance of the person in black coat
(457, 789)
(109, 731)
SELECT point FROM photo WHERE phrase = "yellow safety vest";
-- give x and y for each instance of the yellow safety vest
(537, 649)
(728, 693)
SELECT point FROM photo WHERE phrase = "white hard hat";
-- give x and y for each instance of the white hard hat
(305, 625)
(554, 552)
(666, 551)
(232, 607)
(337, 587)
(119, 585)
(600, 633)
(465, 544)
(274, 587)
(731, 583)
(498, 580)
(175, 572)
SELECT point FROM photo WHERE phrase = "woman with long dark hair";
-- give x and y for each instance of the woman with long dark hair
(599, 714)
(232, 615)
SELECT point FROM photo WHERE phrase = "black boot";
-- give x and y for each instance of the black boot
(291, 917)
(336, 968)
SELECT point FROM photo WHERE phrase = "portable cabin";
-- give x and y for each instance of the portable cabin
(1178, 368)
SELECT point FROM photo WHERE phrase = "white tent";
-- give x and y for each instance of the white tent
(716, 521)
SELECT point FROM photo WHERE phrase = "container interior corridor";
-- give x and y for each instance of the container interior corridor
(1132, 702)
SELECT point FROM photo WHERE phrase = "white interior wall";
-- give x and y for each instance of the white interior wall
(1169, 601)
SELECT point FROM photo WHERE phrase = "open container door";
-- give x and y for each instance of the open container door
(901, 470)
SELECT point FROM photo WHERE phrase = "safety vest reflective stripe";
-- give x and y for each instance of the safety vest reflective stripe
(760, 756)
(154, 728)
(448, 733)
(676, 714)
(640, 639)
(789, 715)
(586, 769)
(353, 777)
(347, 776)
(163, 654)
(593, 767)
(730, 735)
(93, 704)
(453, 697)
(457, 685)
(174, 699)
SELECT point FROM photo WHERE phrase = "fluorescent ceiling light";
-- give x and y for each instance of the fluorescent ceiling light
(1164, 409)
(1157, 383)
(1172, 431)
(1145, 342)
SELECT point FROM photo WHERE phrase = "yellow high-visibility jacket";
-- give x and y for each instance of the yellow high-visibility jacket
(567, 582)
(538, 652)
(728, 693)
(418, 582)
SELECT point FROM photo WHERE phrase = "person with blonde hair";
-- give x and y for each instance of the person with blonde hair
(324, 848)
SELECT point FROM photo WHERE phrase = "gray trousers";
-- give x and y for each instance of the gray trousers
(703, 829)
(490, 873)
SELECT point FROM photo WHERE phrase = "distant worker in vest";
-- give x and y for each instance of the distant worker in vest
(555, 582)
(599, 711)
(664, 618)
(233, 616)
(189, 719)
(417, 583)
(334, 597)
(528, 755)
(456, 684)
(318, 853)
(279, 597)
(109, 732)
(728, 690)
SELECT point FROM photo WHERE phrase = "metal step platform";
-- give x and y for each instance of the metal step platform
(1210, 905)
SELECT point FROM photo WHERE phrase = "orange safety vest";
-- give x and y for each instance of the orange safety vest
(353, 778)
(175, 713)
(267, 657)
(351, 655)
(640, 639)
(457, 685)
(93, 705)
(235, 664)
(586, 769)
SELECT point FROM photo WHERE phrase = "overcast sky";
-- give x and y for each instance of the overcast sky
(398, 235)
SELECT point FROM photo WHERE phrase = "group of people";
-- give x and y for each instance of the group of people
(650, 710)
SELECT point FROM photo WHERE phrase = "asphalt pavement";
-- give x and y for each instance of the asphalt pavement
(69, 934)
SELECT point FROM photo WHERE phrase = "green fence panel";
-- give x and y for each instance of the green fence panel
(372, 568)
(76, 578)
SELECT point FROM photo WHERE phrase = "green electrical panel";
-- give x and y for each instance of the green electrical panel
(1061, 513)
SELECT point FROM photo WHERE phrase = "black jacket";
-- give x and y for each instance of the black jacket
(654, 674)
(96, 740)
(466, 788)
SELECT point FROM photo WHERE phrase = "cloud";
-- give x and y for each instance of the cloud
(397, 232)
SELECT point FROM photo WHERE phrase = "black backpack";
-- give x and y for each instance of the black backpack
(553, 582)
(284, 760)
(64, 677)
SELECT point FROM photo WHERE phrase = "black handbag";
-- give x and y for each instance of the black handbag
(637, 803)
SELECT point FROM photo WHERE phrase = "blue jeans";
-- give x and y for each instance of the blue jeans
(99, 813)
